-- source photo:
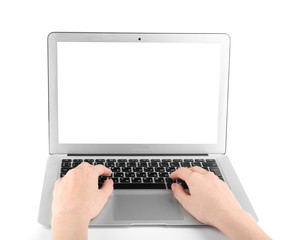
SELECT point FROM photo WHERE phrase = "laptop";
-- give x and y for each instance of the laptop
(143, 105)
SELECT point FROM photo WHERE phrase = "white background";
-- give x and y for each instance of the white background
(263, 115)
(138, 92)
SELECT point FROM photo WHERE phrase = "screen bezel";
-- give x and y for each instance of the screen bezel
(57, 148)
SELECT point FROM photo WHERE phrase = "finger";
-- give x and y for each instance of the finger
(102, 170)
(107, 188)
(198, 169)
(182, 173)
(180, 194)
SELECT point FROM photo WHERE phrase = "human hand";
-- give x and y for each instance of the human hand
(77, 199)
(209, 198)
(211, 201)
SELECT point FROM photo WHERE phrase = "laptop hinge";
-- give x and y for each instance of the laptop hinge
(109, 154)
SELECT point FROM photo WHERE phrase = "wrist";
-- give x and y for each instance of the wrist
(70, 225)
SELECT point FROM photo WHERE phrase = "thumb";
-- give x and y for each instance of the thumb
(180, 194)
(106, 189)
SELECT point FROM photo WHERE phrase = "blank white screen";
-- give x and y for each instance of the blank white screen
(138, 92)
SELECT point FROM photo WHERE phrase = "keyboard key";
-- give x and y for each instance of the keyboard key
(66, 160)
(131, 164)
(133, 160)
(164, 164)
(166, 160)
(115, 169)
(163, 174)
(170, 169)
(66, 164)
(152, 174)
(155, 160)
(78, 160)
(210, 160)
(160, 169)
(185, 164)
(147, 180)
(118, 174)
(188, 160)
(175, 164)
(91, 161)
(209, 164)
(141, 174)
(111, 160)
(120, 164)
(136, 180)
(126, 169)
(124, 180)
(129, 174)
(137, 169)
(109, 164)
(148, 169)
(122, 160)
(153, 164)
(177, 160)
(99, 161)
(159, 180)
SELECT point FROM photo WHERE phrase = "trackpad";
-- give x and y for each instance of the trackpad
(147, 207)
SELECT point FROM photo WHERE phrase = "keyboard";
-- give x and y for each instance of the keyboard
(142, 173)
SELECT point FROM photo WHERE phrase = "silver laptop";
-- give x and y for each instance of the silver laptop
(142, 104)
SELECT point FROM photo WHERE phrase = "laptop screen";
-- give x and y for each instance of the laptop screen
(138, 92)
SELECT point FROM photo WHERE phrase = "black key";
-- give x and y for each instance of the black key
(133, 160)
(129, 174)
(115, 169)
(136, 180)
(152, 174)
(140, 186)
(159, 180)
(209, 164)
(142, 164)
(126, 169)
(111, 160)
(210, 160)
(185, 164)
(148, 169)
(166, 160)
(144, 160)
(66, 164)
(164, 164)
(147, 180)
(182, 183)
(155, 160)
(160, 169)
(89, 160)
(118, 174)
(170, 169)
(137, 169)
(115, 180)
(120, 164)
(65, 170)
(66, 160)
(131, 164)
(153, 164)
(177, 160)
(124, 180)
(122, 160)
(78, 160)
(141, 174)
(110, 164)
(196, 164)
(188, 160)
(99, 161)
(175, 164)
(163, 174)
(170, 180)
(199, 160)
